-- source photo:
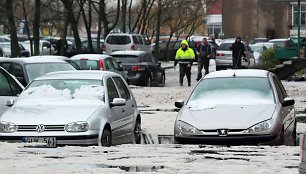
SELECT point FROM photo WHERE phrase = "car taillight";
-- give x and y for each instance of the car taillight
(138, 68)
(133, 47)
(218, 54)
(101, 65)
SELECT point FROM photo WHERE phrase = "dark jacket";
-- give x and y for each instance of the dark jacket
(59, 46)
(204, 51)
(238, 49)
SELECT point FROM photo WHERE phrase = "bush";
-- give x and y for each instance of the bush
(267, 60)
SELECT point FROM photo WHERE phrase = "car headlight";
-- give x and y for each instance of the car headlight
(77, 127)
(261, 127)
(187, 128)
(6, 127)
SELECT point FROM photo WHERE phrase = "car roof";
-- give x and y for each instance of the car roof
(90, 74)
(237, 73)
(34, 59)
(133, 53)
(275, 40)
(89, 56)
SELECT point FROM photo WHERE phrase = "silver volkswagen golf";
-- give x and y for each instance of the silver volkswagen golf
(237, 107)
(73, 108)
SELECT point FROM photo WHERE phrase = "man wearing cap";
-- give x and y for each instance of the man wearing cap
(238, 50)
(184, 57)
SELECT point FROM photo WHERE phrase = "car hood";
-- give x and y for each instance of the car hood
(50, 112)
(227, 116)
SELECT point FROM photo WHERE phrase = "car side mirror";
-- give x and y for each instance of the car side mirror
(288, 102)
(10, 103)
(118, 102)
(179, 104)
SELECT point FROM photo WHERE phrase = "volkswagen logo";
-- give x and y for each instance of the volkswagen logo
(40, 128)
(222, 132)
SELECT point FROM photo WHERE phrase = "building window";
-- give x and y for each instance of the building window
(295, 12)
(214, 29)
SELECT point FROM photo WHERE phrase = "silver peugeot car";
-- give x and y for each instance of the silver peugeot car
(237, 107)
(73, 108)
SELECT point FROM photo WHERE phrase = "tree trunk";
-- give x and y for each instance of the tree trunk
(87, 23)
(27, 27)
(15, 50)
(74, 24)
(36, 27)
(123, 15)
(157, 51)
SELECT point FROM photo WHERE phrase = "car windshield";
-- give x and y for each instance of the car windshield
(65, 89)
(37, 69)
(88, 64)
(231, 91)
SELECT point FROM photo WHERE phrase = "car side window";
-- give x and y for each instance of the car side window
(123, 90)
(8, 87)
(111, 90)
(115, 63)
(280, 93)
(109, 64)
(5, 65)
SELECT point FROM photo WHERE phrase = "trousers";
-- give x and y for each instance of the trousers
(185, 70)
(203, 63)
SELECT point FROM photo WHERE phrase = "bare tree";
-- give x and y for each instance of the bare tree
(15, 50)
(87, 21)
(36, 27)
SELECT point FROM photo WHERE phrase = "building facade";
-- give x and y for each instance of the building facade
(214, 17)
(256, 18)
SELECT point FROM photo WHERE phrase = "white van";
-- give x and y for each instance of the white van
(124, 42)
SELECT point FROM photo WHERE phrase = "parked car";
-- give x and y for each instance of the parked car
(4, 39)
(27, 69)
(143, 68)
(258, 49)
(73, 108)
(302, 165)
(124, 42)
(66, 59)
(237, 107)
(5, 50)
(224, 57)
(45, 47)
(101, 62)
(258, 40)
(10, 88)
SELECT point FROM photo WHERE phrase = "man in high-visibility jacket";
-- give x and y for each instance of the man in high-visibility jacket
(184, 57)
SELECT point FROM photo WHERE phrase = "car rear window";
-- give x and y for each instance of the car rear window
(88, 64)
(127, 58)
(225, 46)
(118, 40)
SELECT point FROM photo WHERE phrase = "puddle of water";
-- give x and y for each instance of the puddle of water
(124, 168)
(203, 152)
(226, 158)
(54, 157)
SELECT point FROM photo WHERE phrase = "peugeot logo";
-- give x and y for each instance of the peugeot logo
(222, 132)
(40, 128)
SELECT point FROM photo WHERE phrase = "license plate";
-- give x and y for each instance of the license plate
(47, 141)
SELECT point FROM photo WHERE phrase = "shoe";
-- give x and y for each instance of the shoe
(181, 84)
(189, 84)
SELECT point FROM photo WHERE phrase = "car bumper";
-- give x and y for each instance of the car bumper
(237, 139)
(137, 78)
(60, 140)
(302, 168)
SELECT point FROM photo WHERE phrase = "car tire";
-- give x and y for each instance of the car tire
(106, 139)
(294, 143)
(163, 79)
(281, 138)
(137, 131)
(218, 68)
(148, 82)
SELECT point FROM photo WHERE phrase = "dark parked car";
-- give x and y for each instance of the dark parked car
(5, 50)
(143, 68)
(26, 69)
(9, 89)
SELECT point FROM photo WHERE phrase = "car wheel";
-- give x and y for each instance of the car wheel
(163, 79)
(137, 131)
(106, 139)
(148, 82)
(218, 68)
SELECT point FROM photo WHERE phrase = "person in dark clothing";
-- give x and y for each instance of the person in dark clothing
(204, 54)
(60, 48)
(184, 57)
(238, 50)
